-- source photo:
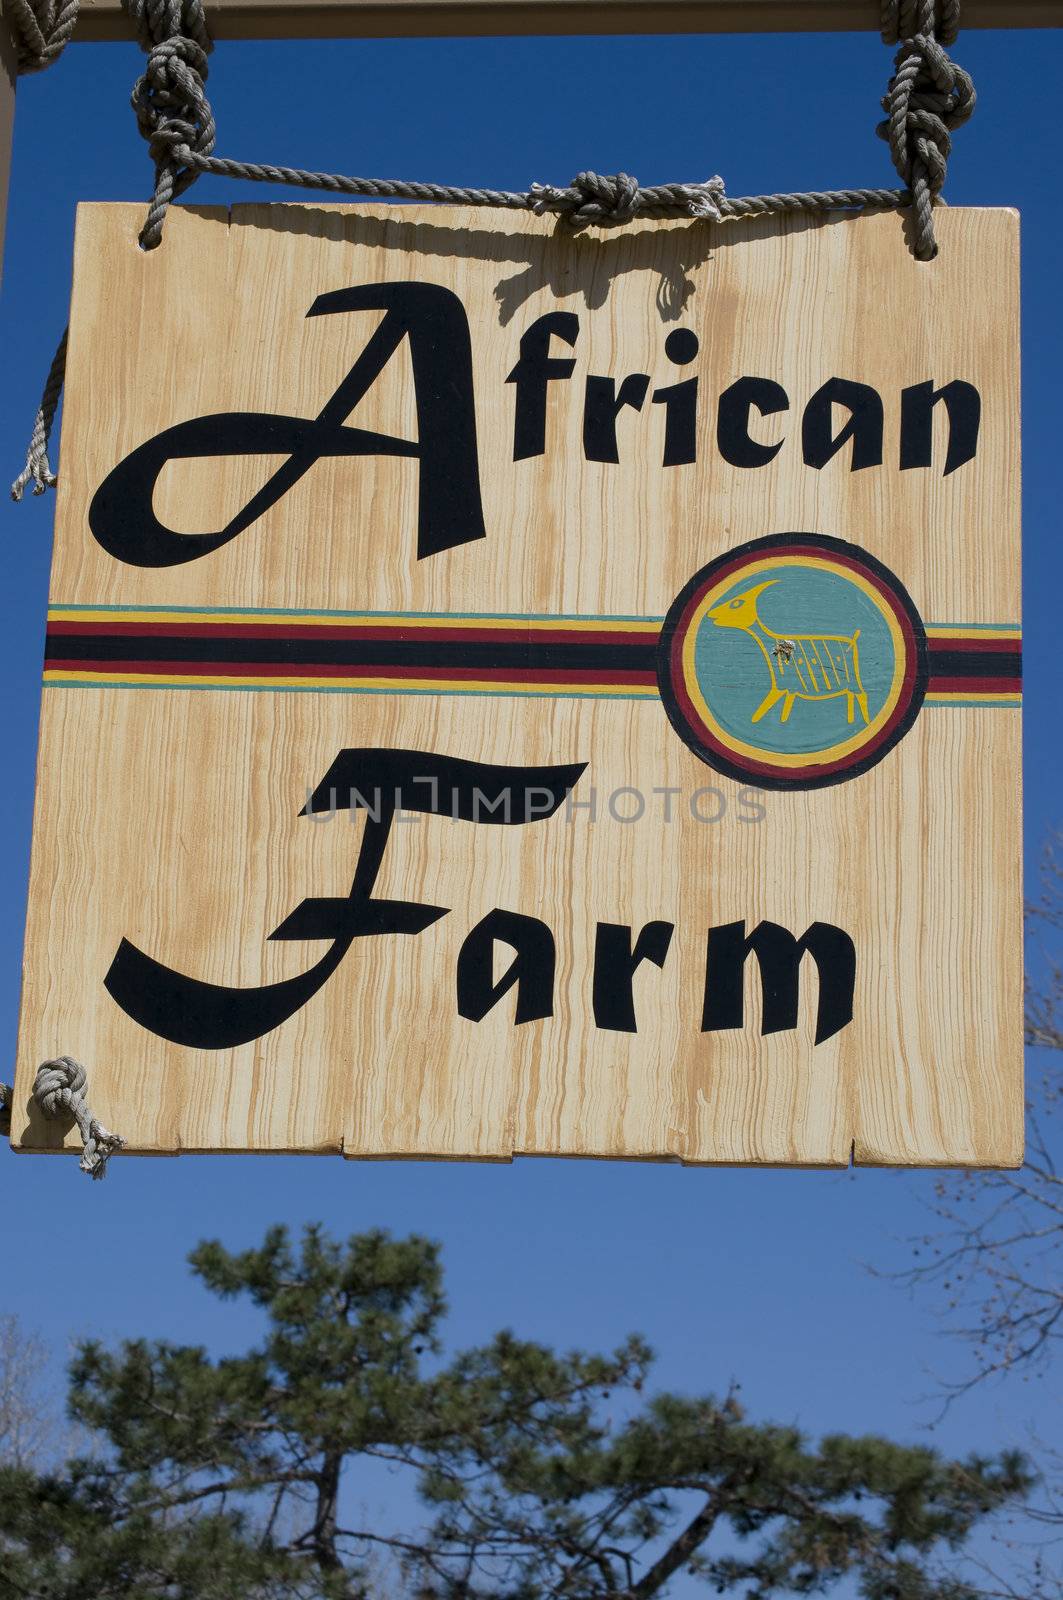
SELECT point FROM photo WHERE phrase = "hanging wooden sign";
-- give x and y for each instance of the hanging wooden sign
(509, 692)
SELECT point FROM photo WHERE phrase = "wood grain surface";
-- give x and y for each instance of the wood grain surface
(170, 817)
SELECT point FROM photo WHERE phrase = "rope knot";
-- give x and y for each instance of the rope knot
(56, 1084)
(170, 100)
(42, 29)
(59, 1090)
(590, 198)
(704, 199)
(927, 97)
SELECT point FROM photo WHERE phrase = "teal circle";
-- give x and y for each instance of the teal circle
(805, 605)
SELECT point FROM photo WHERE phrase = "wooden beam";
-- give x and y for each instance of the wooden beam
(7, 121)
(370, 19)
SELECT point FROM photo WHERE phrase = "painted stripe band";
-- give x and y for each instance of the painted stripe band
(373, 652)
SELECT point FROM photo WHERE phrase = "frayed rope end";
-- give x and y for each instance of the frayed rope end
(705, 198)
(94, 1161)
(38, 468)
(59, 1091)
(38, 471)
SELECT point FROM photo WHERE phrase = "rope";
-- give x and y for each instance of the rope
(172, 110)
(590, 198)
(59, 1091)
(926, 98)
(38, 468)
(903, 18)
(42, 30)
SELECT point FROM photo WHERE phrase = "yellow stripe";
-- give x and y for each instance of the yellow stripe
(1002, 632)
(462, 685)
(943, 696)
(400, 620)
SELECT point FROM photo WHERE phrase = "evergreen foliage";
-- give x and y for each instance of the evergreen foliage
(540, 1474)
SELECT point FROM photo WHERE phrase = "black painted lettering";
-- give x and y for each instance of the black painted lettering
(681, 346)
(532, 373)
(864, 427)
(779, 956)
(963, 408)
(615, 964)
(531, 970)
(450, 512)
(680, 401)
(603, 404)
(209, 1016)
(733, 437)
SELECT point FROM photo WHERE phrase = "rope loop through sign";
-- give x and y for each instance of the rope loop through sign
(928, 96)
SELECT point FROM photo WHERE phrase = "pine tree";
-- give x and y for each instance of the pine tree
(539, 1474)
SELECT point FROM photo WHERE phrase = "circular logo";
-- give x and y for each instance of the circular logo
(794, 662)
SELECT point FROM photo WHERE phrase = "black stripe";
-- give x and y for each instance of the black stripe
(354, 652)
(975, 663)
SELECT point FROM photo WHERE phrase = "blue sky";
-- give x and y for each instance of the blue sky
(750, 1275)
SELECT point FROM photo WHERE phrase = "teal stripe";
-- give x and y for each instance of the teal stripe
(976, 627)
(318, 611)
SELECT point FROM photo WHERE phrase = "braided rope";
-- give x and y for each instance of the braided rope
(42, 30)
(38, 468)
(59, 1091)
(592, 197)
(903, 18)
(926, 98)
(169, 99)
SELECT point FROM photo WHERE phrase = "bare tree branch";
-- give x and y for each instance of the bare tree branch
(27, 1427)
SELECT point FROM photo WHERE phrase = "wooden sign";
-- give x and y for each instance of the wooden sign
(509, 692)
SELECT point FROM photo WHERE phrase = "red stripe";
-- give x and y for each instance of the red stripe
(258, 669)
(973, 642)
(974, 685)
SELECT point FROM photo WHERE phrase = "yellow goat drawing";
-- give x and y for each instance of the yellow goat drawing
(802, 666)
